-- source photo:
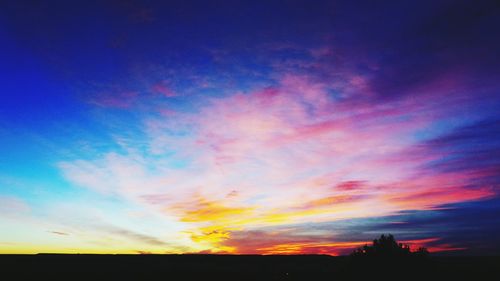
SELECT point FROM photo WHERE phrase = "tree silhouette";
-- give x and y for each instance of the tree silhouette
(387, 247)
(388, 259)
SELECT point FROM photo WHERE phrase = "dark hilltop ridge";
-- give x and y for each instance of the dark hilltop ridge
(385, 259)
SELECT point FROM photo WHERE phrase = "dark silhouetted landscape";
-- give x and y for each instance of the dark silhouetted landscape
(384, 260)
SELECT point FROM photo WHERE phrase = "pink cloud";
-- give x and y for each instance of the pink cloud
(121, 100)
(163, 89)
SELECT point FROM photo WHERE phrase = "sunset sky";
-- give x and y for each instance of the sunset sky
(249, 127)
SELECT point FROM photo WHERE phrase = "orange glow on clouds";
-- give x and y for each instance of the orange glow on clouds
(333, 249)
(269, 158)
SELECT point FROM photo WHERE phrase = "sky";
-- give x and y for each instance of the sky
(249, 127)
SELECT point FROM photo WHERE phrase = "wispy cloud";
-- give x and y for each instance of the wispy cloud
(59, 233)
(11, 207)
(286, 154)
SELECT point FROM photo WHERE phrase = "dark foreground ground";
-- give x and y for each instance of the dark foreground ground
(241, 267)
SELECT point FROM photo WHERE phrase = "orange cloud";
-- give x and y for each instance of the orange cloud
(212, 237)
(212, 211)
(333, 249)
